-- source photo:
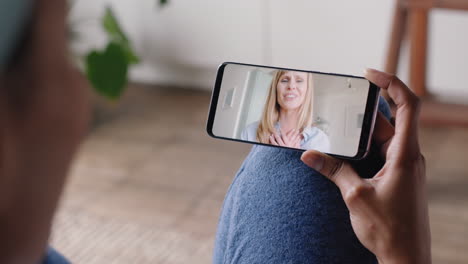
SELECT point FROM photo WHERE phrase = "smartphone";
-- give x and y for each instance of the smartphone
(294, 109)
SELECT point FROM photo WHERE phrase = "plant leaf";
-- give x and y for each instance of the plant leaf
(107, 70)
(131, 57)
(112, 27)
(117, 35)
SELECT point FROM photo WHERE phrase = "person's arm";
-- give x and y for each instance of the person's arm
(43, 116)
(388, 212)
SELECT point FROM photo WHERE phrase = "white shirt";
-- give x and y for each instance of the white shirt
(314, 138)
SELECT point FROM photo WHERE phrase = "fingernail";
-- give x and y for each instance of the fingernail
(314, 161)
(365, 71)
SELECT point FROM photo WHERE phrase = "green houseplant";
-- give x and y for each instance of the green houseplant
(107, 68)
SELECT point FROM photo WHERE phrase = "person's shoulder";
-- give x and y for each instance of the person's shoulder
(315, 138)
(315, 132)
(250, 131)
(320, 132)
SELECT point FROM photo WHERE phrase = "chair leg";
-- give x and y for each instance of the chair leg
(396, 38)
(418, 19)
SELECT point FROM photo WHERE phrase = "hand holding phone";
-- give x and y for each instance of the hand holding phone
(296, 109)
(389, 211)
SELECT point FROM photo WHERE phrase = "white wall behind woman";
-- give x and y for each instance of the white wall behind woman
(183, 43)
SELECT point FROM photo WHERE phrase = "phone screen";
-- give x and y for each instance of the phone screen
(293, 109)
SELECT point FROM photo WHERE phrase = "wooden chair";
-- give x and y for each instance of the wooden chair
(410, 20)
(412, 16)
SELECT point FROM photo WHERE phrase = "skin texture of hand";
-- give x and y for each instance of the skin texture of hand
(44, 114)
(388, 212)
(291, 139)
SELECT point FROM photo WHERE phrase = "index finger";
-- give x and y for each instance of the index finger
(407, 113)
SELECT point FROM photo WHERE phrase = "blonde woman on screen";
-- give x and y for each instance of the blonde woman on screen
(287, 115)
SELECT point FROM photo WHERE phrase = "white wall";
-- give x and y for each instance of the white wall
(259, 90)
(183, 43)
(338, 106)
(229, 108)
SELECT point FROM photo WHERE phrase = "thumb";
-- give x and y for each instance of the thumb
(336, 170)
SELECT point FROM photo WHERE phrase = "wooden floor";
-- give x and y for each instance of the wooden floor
(148, 184)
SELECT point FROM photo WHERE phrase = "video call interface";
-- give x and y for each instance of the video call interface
(294, 109)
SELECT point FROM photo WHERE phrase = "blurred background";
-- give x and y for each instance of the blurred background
(148, 183)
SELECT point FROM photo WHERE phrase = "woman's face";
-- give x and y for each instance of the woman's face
(291, 89)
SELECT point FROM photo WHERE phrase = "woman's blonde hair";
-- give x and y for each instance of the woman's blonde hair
(271, 110)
